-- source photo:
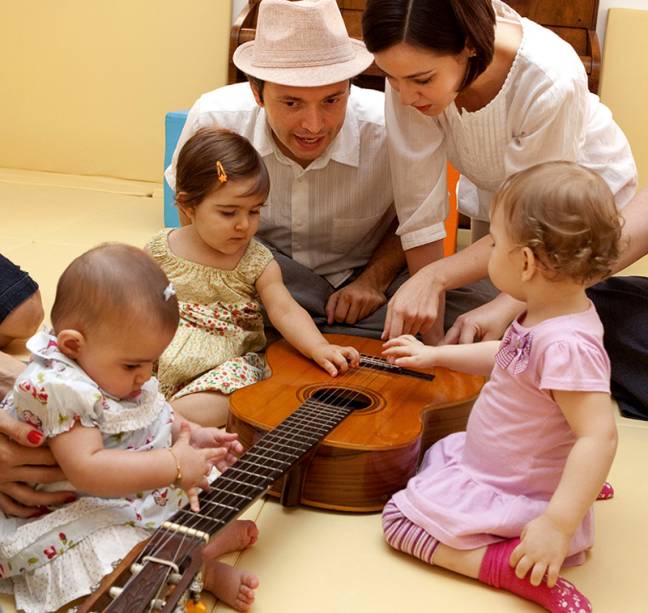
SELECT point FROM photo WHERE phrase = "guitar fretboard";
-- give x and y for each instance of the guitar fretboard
(378, 363)
(261, 465)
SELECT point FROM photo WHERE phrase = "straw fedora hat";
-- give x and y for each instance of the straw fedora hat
(303, 44)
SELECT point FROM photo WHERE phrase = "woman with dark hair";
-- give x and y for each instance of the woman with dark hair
(472, 82)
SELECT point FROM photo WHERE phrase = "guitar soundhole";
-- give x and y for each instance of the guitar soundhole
(342, 397)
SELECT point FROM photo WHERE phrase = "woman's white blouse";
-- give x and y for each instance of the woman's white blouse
(543, 112)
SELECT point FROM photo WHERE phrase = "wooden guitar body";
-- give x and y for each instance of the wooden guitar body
(374, 451)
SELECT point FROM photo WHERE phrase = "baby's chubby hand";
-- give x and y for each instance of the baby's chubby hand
(195, 464)
(218, 437)
(407, 351)
(334, 358)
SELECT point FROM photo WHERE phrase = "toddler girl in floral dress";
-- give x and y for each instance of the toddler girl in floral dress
(512, 496)
(224, 278)
(88, 388)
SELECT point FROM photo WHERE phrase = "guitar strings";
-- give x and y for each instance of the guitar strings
(331, 394)
(363, 375)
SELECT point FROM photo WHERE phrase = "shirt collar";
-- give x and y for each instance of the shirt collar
(345, 149)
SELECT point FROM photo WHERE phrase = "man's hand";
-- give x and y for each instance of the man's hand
(354, 302)
(485, 323)
(23, 462)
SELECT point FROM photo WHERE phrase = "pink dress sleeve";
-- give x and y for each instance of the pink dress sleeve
(575, 366)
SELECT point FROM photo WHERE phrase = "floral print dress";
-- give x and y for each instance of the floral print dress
(221, 323)
(49, 561)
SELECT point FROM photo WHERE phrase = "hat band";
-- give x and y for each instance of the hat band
(322, 57)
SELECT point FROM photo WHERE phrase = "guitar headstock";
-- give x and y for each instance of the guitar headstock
(159, 574)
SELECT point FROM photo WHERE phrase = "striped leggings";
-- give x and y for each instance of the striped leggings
(406, 536)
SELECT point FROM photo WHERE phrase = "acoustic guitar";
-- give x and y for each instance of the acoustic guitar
(343, 443)
(392, 415)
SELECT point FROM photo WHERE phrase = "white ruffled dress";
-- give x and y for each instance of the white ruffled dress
(49, 561)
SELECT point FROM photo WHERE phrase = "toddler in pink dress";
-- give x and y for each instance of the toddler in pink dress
(512, 496)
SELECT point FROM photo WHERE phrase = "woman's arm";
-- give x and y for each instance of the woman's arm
(635, 231)
(22, 462)
(414, 307)
(545, 540)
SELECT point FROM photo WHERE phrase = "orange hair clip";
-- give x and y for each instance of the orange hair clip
(220, 172)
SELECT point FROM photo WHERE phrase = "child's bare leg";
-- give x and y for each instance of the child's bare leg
(204, 408)
(236, 536)
(463, 561)
(233, 586)
(490, 565)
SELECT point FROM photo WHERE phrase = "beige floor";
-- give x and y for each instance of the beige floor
(311, 561)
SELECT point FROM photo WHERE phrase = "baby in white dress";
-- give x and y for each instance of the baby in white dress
(89, 390)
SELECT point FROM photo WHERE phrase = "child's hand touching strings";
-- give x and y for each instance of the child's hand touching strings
(408, 352)
(193, 465)
(217, 437)
(335, 359)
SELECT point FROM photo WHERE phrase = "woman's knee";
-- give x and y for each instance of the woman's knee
(25, 319)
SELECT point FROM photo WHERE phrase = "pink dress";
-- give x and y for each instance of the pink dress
(478, 487)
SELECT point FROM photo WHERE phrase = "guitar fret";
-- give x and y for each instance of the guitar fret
(224, 477)
(315, 420)
(286, 446)
(307, 424)
(207, 517)
(213, 503)
(254, 465)
(290, 455)
(215, 490)
(256, 455)
(309, 436)
(247, 472)
(311, 403)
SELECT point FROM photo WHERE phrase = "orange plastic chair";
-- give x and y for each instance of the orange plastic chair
(452, 220)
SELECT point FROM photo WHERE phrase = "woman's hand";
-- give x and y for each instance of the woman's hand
(542, 550)
(415, 307)
(23, 460)
(334, 358)
(485, 323)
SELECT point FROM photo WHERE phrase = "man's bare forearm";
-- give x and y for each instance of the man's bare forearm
(386, 261)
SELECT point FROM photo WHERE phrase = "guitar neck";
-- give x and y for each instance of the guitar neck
(263, 463)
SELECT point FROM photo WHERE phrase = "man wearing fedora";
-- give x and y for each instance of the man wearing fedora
(329, 218)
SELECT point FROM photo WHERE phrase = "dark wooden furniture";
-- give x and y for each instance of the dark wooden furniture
(573, 20)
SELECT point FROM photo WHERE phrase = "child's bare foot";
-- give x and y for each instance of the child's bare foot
(230, 585)
(236, 536)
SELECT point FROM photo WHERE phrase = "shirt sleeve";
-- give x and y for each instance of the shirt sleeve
(54, 404)
(419, 173)
(576, 366)
(550, 122)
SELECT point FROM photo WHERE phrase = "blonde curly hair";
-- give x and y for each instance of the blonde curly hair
(566, 215)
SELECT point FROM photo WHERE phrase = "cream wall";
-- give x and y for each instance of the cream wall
(624, 79)
(86, 84)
